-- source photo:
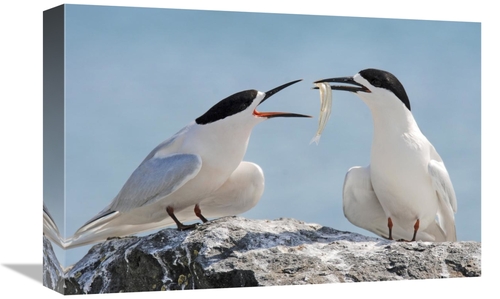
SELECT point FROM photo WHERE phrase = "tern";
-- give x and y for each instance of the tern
(197, 173)
(406, 188)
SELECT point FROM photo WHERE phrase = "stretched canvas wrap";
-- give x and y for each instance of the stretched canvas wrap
(206, 117)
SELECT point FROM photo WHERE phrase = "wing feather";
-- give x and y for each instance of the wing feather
(446, 197)
(155, 178)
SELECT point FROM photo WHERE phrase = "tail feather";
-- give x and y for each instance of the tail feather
(446, 220)
(435, 231)
(111, 224)
(50, 229)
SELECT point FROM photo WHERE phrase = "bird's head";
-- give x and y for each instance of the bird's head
(242, 107)
(375, 87)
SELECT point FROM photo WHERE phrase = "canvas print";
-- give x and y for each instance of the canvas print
(192, 149)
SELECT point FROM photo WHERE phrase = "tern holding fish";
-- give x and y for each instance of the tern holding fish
(406, 192)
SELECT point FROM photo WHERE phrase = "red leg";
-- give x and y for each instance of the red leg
(180, 226)
(415, 229)
(197, 212)
(389, 224)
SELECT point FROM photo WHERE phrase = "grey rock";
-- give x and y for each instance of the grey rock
(238, 252)
(52, 275)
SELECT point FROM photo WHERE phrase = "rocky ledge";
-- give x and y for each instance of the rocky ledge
(238, 252)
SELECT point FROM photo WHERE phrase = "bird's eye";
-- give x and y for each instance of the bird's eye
(376, 82)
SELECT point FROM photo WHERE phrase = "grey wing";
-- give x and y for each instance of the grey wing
(154, 179)
(446, 197)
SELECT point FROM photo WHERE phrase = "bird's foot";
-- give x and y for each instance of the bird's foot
(181, 226)
(197, 212)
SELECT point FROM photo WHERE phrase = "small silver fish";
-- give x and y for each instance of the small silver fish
(325, 96)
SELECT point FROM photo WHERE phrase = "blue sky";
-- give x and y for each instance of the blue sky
(135, 76)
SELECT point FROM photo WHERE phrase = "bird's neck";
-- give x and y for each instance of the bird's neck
(223, 143)
(393, 122)
(396, 141)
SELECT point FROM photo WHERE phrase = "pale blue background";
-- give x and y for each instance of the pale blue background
(135, 76)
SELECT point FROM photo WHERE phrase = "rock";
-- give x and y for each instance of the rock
(238, 252)
(52, 275)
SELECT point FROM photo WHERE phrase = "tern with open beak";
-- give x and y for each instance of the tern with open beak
(197, 173)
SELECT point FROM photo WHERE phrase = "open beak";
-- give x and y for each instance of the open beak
(345, 80)
(271, 92)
